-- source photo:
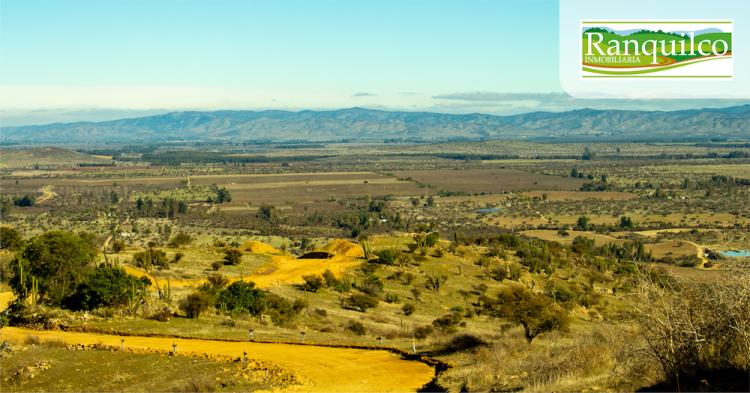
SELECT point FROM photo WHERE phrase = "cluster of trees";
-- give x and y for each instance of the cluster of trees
(57, 269)
(167, 207)
(239, 298)
(536, 312)
(221, 194)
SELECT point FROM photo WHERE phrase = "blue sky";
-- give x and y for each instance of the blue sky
(137, 56)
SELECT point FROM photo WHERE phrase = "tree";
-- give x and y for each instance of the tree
(196, 303)
(626, 222)
(57, 260)
(582, 224)
(232, 256)
(104, 287)
(10, 239)
(387, 256)
(537, 313)
(243, 296)
(25, 201)
(267, 213)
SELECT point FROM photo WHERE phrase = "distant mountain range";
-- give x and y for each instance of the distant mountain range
(358, 124)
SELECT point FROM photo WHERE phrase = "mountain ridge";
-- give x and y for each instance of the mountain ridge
(362, 124)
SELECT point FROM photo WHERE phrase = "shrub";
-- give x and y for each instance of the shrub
(434, 281)
(216, 265)
(313, 283)
(232, 256)
(180, 239)
(387, 256)
(447, 323)
(151, 258)
(391, 298)
(330, 278)
(196, 303)
(421, 332)
(408, 309)
(105, 286)
(356, 327)
(360, 302)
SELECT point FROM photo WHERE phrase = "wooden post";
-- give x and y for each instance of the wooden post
(413, 345)
(174, 348)
(250, 334)
(244, 358)
(122, 343)
(302, 336)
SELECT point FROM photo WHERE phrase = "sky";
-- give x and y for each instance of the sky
(91, 60)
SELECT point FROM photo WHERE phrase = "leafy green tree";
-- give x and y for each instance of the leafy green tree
(582, 224)
(243, 296)
(10, 239)
(626, 222)
(57, 260)
(25, 201)
(105, 286)
(537, 313)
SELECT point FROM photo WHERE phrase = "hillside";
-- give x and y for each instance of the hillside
(45, 156)
(358, 124)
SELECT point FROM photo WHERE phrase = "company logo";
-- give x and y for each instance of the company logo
(656, 49)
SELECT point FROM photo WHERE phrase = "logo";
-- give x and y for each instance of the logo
(656, 49)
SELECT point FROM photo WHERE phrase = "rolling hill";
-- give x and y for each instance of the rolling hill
(358, 124)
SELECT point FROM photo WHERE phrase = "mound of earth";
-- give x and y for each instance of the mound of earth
(257, 247)
(344, 248)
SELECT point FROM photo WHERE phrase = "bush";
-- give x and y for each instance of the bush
(151, 258)
(105, 286)
(356, 327)
(216, 265)
(447, 323)
(232, 256)
(196, 303)
(391, 298)
(421, 332)
(360, 302)
(388, 256)
(180, 239)
(330, 278)
(408, 309)
(313, 283)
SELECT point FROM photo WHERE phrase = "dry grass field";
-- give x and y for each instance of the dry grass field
(490, 180)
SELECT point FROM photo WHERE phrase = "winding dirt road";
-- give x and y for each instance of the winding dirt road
(324, 369)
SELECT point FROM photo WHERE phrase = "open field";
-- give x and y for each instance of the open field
(489, 180)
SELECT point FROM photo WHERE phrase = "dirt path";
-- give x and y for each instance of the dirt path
(325, 369)
(47, 194)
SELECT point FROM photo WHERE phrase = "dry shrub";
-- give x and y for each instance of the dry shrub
(698, 332)
(556, 362)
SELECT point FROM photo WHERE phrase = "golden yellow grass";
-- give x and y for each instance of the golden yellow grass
(282, 268)
(5, 299)
(324, 369)
(736, 170)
